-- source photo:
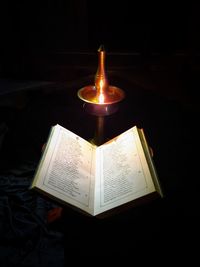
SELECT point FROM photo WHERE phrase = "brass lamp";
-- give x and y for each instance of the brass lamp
(101, 98)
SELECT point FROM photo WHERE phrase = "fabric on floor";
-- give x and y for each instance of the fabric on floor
(26, 237)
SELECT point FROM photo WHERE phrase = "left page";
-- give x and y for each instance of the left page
(66, 169)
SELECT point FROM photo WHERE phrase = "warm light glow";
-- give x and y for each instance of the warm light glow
(101, 85)
(101, 98)
(101, 95)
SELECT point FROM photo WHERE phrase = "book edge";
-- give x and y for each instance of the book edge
(150, 161)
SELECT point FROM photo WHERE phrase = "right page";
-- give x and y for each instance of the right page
(123, 172)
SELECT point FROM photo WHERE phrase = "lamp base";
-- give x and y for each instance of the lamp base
(101, 110)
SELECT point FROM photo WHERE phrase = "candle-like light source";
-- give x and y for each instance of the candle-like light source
(101, 93)
(101, 99)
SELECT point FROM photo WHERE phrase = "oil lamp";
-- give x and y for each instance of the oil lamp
(101, 98)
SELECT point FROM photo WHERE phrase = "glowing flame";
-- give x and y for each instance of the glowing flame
(101, 85)
(101, 98)
(101, 95)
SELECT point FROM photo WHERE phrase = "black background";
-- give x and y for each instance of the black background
(83, 25)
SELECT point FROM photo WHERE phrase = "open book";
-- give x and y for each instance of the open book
(96, 179)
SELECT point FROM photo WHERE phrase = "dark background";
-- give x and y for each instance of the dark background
(32, 34)
(48, 51)
(83, 25)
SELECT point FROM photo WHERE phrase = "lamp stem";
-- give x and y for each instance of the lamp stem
(99, 131)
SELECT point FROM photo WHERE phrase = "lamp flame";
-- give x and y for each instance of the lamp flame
(101, 93)
(101, 98)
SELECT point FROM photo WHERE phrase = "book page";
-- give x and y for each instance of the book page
(123, 173)
(67, 169)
